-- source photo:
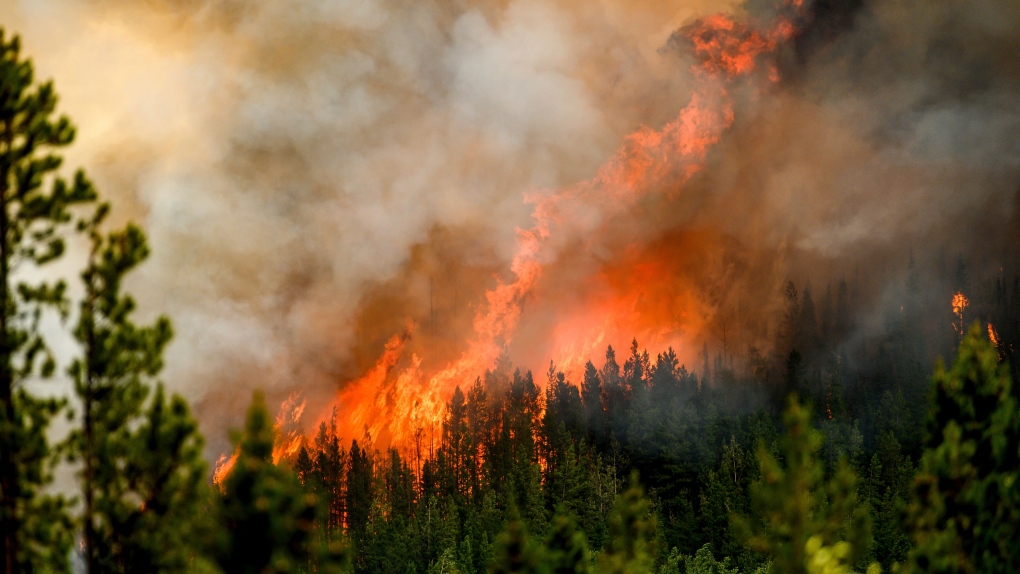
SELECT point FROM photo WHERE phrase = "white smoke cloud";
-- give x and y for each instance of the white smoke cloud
(308, 170)
(288, 157)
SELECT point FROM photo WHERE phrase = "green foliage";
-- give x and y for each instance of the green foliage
(152, 502)
(268, 515)
(143, 474)
(703, 562)
(631, 548)
(515, 551)
(46, 533)
(35, 207)
(965, 504)
(799, 518)
(446, 564)
(566, 548)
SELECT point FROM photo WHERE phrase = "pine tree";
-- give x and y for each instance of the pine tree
(169, 530)
(268, 515)
(703, 562)
(143, 474)
(965, 507)
(34, 210)
(566, 548)
(515, 551)
(632, 546)
(591, 397)
(804, 519)
(359, 491)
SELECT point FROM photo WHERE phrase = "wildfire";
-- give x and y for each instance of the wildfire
(288, 441)
(393, 409)
(993, 336)
(289, 437)
(960, 302)
(223, 467)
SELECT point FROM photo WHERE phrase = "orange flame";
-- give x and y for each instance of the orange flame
(392, 410)
(289, 437)
(287, 442)
(223, 467)
(993, 336)
(960, 302)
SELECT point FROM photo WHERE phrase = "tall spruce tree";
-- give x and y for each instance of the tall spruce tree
(34, 211)
(515, 551)
(566, 548)
(143, 475)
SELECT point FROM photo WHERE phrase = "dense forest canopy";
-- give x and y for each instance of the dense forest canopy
(774, 332)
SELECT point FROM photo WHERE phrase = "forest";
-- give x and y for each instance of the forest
(810, 456)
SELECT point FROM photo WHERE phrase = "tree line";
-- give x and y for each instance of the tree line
(808, 457)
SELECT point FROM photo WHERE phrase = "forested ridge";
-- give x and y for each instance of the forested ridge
(811, 455)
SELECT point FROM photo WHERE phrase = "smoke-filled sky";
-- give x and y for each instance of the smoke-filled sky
(315, 174)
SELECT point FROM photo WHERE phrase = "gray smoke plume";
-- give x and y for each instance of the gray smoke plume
(314, 174)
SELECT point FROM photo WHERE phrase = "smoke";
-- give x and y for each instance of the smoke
(315, 174)
(893, 133)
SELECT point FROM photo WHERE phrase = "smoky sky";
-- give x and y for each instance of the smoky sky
(315, 174)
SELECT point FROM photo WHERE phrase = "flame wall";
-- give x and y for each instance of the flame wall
(316, 175)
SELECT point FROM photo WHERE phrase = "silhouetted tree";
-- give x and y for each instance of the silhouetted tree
(34, 211)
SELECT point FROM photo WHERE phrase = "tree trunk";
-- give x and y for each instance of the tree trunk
(8, 471)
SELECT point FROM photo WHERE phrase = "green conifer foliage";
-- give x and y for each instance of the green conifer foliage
(268, 514)
(631, 547)
(515, 551)
(800, 520)
(965, 508)
(143, 474)
(163, 468)
(34, 209)
(566, 548)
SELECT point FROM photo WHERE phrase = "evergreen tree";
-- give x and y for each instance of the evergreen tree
(965, 507)
(632, 547)
(808, 328)
(704, 562)
(144, 487)
(591, 397)
(792, 320)
(34, 210)
(359, 491)
(515, 551)
(169, 529)
(269, 517)
(798, 518)
(566, 548)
